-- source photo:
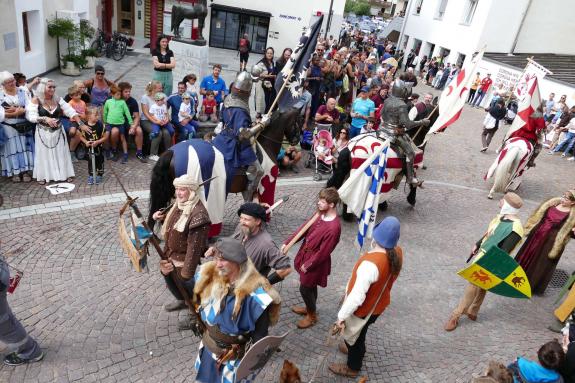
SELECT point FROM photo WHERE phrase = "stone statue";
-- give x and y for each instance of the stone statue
(198, 11)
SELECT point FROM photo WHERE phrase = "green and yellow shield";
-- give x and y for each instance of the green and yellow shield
(495, 271)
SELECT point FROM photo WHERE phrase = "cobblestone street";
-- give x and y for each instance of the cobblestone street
(100, 321)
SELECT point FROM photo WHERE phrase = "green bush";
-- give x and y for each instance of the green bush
(78, 60)
(359, 7)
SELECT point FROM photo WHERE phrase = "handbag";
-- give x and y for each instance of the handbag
(354, 324)
(345, 84)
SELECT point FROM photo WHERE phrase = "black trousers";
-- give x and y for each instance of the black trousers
(356, 352)
(309, 295)
(187, 284)
(99, 160)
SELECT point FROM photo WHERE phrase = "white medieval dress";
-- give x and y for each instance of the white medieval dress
(52, 161)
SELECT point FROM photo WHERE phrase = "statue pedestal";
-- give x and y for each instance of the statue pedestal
(190, 58)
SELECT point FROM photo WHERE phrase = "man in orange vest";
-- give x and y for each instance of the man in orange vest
(367, 297)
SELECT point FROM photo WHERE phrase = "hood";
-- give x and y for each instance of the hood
(533, 372)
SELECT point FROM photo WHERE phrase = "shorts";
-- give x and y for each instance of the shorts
(120, 127)
(244, 57)
(67, 124)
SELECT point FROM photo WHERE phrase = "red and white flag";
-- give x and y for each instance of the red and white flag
(528, 102)
(454, 96)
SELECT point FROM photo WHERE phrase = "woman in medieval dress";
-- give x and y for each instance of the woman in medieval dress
(548, 231)
(52, 161)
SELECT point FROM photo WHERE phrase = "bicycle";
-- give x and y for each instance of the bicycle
(118, 46)
(100, 45)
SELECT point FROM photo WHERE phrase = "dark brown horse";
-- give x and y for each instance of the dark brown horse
(271, 138)
(198, 11)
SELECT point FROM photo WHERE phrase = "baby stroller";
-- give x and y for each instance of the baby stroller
(323, 166)
(511, 112)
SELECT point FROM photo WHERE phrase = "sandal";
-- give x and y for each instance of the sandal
(70, 180)
(16, 179)
(26, 177)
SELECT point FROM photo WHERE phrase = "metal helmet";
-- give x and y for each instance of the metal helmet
(257, 71)
(242, 83)
(400, 89)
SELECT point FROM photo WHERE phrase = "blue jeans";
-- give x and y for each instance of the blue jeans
(189, 130)
(354, 131)
(478, 98)
(13, 334)
(569, 140)
(157, 128)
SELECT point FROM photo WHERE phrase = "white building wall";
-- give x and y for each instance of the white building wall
(449, 32)
(502, 25)
(548, 28)
(289, 18)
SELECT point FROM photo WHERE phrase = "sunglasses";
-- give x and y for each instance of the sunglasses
(100, 73)
(51, 87)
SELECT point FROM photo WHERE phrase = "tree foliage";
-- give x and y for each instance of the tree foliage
(359, 7)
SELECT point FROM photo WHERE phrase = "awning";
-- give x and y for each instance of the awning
(245, 11)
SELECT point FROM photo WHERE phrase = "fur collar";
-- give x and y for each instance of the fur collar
(564, 233)
(211, 284)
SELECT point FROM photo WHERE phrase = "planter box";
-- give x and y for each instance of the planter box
(69, 69)
(90, 62)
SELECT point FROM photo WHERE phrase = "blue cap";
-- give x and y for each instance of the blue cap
(364, 89)
(386, 234)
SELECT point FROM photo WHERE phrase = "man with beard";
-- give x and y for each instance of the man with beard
(259, 245)
(313, 260)
(236, 304)
(185, 233)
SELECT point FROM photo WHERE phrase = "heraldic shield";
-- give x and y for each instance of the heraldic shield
(496, 272)
(256, 358)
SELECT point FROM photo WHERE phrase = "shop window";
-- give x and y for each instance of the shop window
(469, 11)
(227, 27)
(26, 32)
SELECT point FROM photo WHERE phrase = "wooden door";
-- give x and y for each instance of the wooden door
(126, 16)
(160, 19)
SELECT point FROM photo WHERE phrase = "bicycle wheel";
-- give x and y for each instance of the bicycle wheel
(99, 46)
(119, 50)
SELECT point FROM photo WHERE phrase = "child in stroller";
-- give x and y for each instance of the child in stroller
(321, 154)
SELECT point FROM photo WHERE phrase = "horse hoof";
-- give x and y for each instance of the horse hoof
(490, 196)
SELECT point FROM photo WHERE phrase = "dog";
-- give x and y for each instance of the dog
(289, 373)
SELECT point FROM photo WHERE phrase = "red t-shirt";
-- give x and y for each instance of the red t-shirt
(485, 84)
(209, 106)
(322, 110)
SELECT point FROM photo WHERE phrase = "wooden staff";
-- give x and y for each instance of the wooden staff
(428, 117)
(301, 233)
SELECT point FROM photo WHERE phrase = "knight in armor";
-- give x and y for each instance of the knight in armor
(237, 306)
(235, 138)
(396, 124)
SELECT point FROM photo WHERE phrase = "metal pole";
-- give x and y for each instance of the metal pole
(407, 13)
(328, 24)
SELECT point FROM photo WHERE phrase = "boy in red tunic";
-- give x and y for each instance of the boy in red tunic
(313, 260)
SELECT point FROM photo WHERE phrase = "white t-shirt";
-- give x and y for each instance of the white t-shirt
(185, 111)
(159, 111)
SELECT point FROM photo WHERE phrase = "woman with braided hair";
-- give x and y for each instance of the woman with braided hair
(548, 231)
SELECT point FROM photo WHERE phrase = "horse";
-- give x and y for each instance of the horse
(509, 166)
(198, 11)
(359, 149)
(270, 140)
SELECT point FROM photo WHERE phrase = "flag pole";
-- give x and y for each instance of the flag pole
(421, 127)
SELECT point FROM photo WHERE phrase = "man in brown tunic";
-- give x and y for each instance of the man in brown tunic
(185, 232)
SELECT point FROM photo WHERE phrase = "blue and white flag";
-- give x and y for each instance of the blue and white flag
(375, 172)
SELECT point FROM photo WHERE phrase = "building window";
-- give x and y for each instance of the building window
(418, 5)
(26, 34)
(441, 9)
(469, 11)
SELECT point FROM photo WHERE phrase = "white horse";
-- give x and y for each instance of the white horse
(359, 149)
(509, 166)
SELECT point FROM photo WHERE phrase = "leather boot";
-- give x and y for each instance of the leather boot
(309, 320)
(299, 310)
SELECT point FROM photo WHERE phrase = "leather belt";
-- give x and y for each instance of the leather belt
(224, 345)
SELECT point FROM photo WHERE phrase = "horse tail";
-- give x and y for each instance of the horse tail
(505, 169)
(341, 170)
(161, 185)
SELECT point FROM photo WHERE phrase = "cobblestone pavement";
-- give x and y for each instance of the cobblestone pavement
(99, 321)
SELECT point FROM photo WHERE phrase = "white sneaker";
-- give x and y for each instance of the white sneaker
(153, 157)
(571, 159)
(563, 155)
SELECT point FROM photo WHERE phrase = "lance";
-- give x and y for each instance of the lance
(200, 326)
(277, 203)
(301, 233)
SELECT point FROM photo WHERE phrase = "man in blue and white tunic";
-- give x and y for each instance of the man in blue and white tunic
(237, 306)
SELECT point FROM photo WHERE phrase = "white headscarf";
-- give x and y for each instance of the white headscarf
(185, 181)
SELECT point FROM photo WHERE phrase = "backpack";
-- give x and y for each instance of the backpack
(243, 45)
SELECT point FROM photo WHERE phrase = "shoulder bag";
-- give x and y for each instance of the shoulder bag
(354, 324)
